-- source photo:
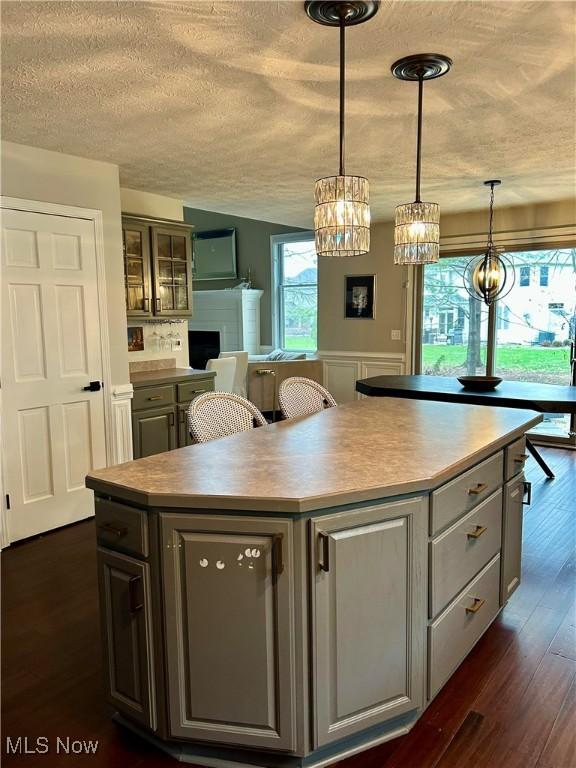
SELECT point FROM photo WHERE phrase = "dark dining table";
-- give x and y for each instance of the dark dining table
(544, 398)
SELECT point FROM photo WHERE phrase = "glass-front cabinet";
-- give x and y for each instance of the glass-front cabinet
(157, 268)
(136, 247)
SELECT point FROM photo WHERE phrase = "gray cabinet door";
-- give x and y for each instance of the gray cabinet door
(512, 538)
(137, 275)
(369, 616)
(229, 629)
(153, 431)
(172, 260)
(127, 635)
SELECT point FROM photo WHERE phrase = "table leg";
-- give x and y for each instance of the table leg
(540, 460)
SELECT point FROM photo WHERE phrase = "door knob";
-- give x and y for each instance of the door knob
(94, 386)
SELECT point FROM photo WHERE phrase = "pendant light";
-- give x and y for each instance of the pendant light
(342, 212)
(417, 224)
(490, 276)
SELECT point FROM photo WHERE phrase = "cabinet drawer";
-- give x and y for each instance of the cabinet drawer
(465, 492)
(122, 528)
(461, 551)
(190, 389)
(515, 457)
(455, 632)
(153, 397)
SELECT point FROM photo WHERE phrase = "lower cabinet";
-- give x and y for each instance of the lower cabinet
(153, 431)
(454, 633)
(512, 537)
(229, 629)
(369, 616)
(159, 414)
(126, 623)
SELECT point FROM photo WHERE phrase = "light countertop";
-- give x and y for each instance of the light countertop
(365, 450)
(169, 375)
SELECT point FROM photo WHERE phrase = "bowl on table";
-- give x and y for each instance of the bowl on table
(479, 383)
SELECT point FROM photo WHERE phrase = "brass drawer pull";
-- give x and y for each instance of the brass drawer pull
(520, 458)
(477, 532)
(478, 488)
(477, 603)
(155, 397)
(115, 529)
(197, 391)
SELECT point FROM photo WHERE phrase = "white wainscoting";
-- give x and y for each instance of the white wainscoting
(121, 408)
(343, 369)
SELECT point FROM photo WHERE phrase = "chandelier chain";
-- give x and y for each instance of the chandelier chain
(342, 87)
(491, 219)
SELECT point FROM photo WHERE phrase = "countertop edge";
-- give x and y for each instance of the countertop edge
(297, 506)
(163, 376)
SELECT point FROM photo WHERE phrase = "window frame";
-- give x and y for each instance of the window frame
(276, 243)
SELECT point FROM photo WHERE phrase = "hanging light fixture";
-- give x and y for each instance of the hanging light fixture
(490, 276)
(417, 224)
(342, 211)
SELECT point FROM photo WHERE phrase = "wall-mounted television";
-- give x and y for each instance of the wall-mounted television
(214, 254)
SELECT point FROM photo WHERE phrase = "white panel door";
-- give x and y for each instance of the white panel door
(53, 429)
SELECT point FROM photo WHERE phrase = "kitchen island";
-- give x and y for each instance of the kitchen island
(296, 594)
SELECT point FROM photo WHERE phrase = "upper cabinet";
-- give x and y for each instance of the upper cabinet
(157, 268)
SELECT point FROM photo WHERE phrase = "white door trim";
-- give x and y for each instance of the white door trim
(95, 216)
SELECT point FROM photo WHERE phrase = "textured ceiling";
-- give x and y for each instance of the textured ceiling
(232, 106)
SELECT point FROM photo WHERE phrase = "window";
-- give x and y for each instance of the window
(530, 337)
(295, 292)
(524, 276)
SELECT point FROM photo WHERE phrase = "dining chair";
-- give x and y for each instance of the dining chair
(225, 368)
(241, 372)
(298, 396)
(219, 414)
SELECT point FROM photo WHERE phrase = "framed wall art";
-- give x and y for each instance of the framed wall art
(360, 295)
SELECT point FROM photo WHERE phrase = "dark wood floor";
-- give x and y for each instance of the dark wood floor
(512, 703)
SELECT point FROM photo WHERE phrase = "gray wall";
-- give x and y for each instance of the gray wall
(252, 250)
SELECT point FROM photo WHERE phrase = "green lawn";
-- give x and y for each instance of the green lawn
(304, 343)
(553, 360)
